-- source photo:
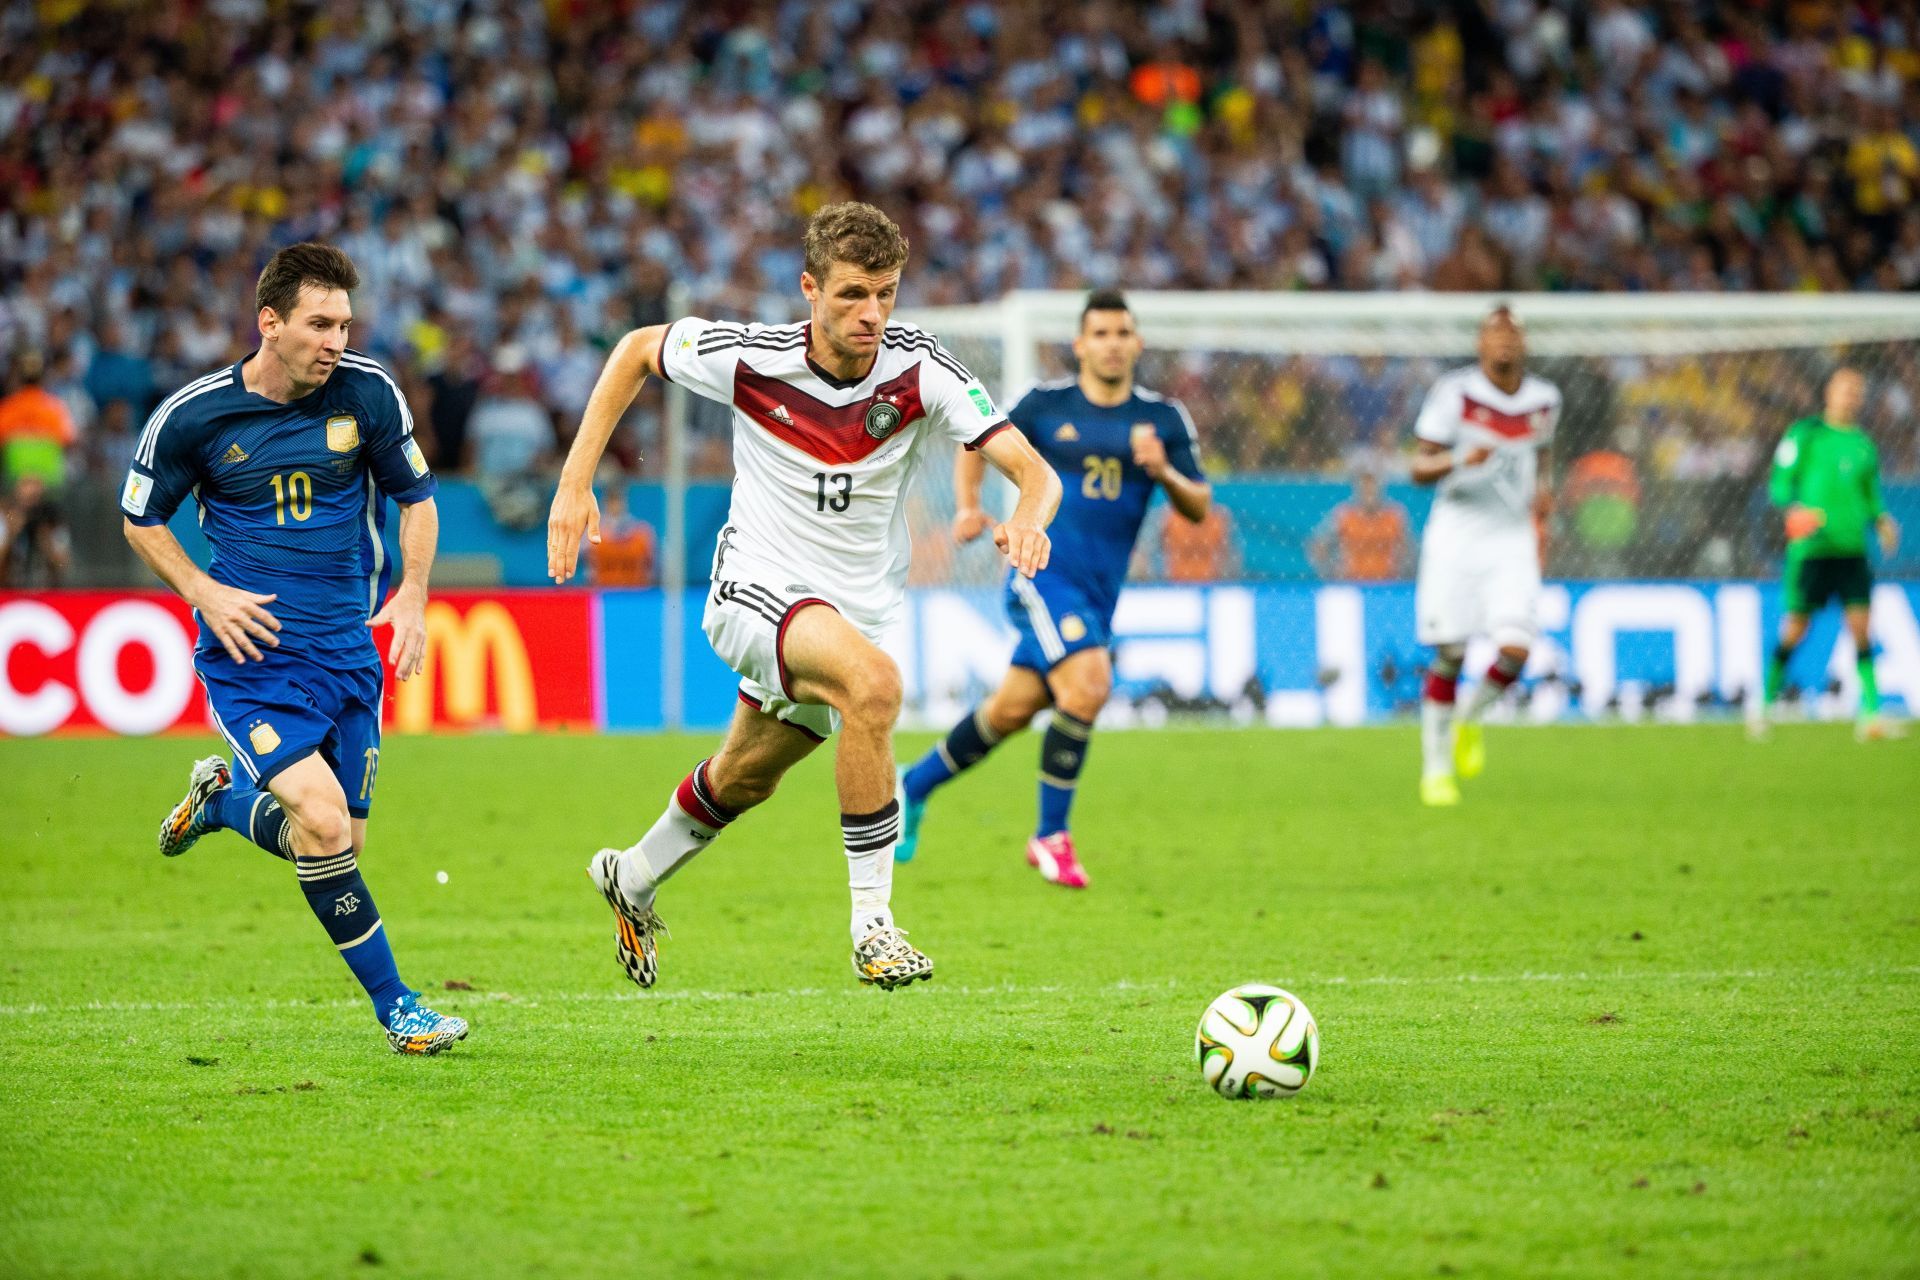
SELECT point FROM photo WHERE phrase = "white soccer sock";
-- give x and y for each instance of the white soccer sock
(1436, 742)
(869, 839)
(691, 820)
(675, 837)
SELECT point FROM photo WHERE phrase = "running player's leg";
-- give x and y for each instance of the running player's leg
(328, 869)
(756, 753)
(1438, 694)
(825, 659)
(828, 661)
(1860, 627)
(1510, 593)
(1444, 613)
(1801, 592)
(1855, 588)
(1081, 683)
(327, 797)
(1022, 695)
(229, 798)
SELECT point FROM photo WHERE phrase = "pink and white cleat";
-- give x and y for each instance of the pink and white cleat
(1054, 856)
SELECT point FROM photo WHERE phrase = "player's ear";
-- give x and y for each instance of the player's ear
(809, 287)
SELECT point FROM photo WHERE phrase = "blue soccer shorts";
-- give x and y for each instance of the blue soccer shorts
(285, 707)
(1055, 619)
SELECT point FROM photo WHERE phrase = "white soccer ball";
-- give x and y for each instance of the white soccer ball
(1257, 1041)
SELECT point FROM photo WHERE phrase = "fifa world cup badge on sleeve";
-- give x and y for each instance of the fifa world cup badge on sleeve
(980, 401)
(134, 500)
(415, 459)
(343, 433)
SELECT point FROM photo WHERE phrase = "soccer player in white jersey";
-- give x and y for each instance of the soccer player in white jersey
(812, 563)
(1484, 434)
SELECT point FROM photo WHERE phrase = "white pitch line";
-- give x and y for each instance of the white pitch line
(1303, 984)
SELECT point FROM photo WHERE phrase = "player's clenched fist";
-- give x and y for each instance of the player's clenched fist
(1026, 546)
(575, 511)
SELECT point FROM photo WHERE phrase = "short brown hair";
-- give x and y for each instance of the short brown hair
(856, 234)
(297, 266)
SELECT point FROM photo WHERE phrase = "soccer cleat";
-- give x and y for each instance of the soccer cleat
(633, 927)
(1877, 728)
(885, 959)
(414, 1028)
(911, 811)
(1469, 749)
(1759, 719)
(187, 822)
(1055, 857)
(1439, 790)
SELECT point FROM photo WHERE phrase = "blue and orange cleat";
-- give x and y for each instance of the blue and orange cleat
(188, 821)
(414, 1028)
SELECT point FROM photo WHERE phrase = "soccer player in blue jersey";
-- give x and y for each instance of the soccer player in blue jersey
(291, 455)
(1114, 443)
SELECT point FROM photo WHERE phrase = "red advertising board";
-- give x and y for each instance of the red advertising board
(122, 662)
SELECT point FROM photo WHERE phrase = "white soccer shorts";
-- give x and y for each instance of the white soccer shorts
(1478, 582)
(746, 623)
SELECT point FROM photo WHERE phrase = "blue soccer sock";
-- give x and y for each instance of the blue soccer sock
(256, 815)
(1063, 750)
(340, 900)
(966, 745)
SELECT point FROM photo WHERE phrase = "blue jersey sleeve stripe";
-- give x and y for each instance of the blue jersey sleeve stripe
(150, 436)
(354, 360)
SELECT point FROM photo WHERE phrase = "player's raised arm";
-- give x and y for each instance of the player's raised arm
(574, 510)
(1023, 538)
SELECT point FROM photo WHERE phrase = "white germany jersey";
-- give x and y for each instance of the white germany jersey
(820, 465)
(1464, 410)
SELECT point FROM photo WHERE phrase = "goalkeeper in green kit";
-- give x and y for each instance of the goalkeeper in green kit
(1826, 474)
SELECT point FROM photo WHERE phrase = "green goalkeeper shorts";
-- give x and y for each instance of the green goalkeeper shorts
(1811, 581)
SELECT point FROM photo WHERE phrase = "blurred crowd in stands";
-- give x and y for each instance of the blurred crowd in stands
(519, 183)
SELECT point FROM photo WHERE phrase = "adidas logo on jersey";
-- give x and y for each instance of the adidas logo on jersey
(233, 454)
(1066, 432)
(781, 416)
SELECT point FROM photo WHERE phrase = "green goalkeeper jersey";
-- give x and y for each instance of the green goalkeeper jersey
(1835, 471)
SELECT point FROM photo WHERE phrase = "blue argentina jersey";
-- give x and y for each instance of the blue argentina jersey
(291, 496)
(1105, 496)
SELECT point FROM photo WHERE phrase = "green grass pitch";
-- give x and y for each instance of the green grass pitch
(1647, 1004)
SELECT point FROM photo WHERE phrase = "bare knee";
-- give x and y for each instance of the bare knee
(1085, 694)
(323, 818)
(873, 693)
(1450, 658)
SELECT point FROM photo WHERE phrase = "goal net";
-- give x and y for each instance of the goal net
(1294, 603)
